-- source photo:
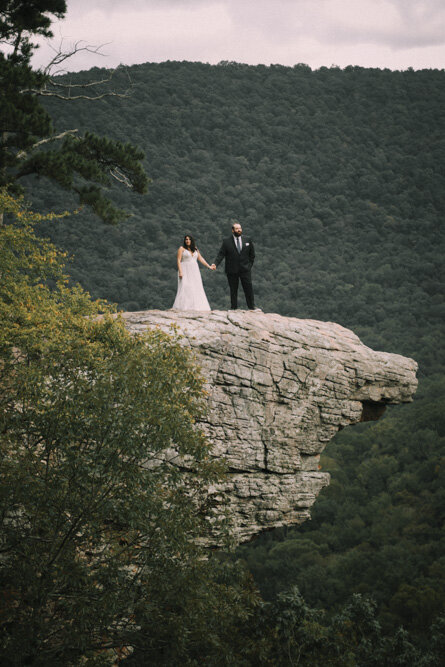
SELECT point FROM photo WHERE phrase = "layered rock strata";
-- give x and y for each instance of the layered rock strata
(279, 390)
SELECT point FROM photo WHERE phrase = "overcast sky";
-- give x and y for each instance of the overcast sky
(371, 33)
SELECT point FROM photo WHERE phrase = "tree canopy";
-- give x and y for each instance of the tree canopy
(97, 507)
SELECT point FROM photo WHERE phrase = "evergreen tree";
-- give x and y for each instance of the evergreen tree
(85, 164)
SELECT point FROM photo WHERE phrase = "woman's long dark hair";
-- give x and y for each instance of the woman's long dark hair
(192, 243)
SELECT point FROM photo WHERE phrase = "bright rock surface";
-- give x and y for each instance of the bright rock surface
(279, 390)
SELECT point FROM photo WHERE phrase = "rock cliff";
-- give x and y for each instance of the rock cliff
(279, 390)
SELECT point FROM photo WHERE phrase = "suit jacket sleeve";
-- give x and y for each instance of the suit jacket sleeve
(251, 252)
(220, 256)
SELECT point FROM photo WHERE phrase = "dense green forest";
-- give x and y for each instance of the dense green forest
(338, 176)
(376, 529)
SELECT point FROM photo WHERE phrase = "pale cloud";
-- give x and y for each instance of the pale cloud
(370, 33)
(393, 23)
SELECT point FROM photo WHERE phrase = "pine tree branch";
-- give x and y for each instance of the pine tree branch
(69, 98)
(17, 43)
(55, 138)
(58, 84)
(119, 176)
(59, 87)
(61, 56)
(23, 154)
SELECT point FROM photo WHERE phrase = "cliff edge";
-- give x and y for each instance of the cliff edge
(279, 390)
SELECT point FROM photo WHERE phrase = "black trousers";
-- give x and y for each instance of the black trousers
(246, 282)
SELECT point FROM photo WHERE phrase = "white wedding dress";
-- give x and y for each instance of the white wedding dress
(190, 294)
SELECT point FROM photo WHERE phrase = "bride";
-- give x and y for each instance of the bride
(190, 294)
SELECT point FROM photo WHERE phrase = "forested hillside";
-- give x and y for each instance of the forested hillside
(338, 175)
(376, 529)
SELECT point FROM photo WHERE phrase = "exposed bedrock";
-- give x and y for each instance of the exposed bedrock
(279, 390)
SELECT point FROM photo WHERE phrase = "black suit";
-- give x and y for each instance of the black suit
(237, 267)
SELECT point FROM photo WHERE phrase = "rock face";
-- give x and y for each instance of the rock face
(279, 390)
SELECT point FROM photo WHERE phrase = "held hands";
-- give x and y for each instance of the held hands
(212, 267)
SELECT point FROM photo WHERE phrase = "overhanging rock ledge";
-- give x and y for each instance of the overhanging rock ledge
(279, 390)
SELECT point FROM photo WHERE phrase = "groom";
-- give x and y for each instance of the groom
(239, 255)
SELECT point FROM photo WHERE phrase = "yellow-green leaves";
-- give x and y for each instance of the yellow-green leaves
(103, 471)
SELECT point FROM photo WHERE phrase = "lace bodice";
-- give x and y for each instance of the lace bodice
(187, 256)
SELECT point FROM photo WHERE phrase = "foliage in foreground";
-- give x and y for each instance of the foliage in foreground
(246, 631)
(93, 513)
